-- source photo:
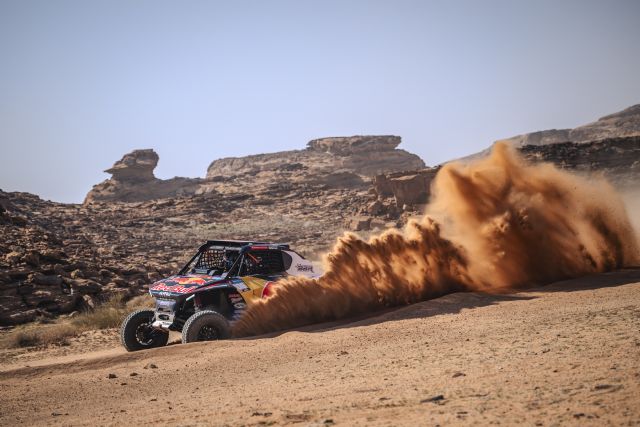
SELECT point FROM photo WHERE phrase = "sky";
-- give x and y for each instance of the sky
(84, 82)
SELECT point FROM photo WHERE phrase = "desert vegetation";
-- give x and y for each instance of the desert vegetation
(56, 332)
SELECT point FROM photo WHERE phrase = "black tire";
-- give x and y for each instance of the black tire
(206, 325)
(136, 332)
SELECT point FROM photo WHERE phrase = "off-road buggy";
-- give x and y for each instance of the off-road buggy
(211, 292)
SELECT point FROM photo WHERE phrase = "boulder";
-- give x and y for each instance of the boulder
(410, 190)
(77, 274)
(83, 286)
(19, 318)
(360, 223)
(13, 258)
(54, 256)
(375, 208)
(407, 188)
(44, 280)
(32, 258)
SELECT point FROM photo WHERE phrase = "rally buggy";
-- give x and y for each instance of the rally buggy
(211, 292)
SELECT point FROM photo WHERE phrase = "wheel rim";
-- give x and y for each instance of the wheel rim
(207, 333)
(145, 335)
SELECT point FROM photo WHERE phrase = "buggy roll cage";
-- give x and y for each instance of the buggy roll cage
(235, 245)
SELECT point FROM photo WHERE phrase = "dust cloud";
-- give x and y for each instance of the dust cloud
(631, 198)
(494, 225)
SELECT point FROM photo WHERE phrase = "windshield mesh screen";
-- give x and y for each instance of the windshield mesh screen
(210, 259)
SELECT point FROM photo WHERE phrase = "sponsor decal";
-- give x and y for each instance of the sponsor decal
(176, 289)
(181, 284)
(302, 267)
(239, 285)
(240, 305)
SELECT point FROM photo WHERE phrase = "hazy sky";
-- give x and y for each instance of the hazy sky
(84, 82)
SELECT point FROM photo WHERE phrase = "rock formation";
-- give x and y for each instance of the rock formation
(621, 124)
(406, 188)
(361, 155)
(136, 166)
(326, 163)
(132, 180)
(617, 159)
(609, 146)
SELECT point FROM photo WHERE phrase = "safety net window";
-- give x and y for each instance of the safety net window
(211, 258)
(262, 262)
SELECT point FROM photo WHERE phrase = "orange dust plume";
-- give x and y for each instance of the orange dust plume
(494, 225)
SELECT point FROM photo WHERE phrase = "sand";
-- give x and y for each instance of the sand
(567, 353)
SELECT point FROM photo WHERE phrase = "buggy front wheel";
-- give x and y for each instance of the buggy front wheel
(136, 332)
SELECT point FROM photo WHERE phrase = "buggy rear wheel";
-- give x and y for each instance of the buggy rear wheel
(206, 325)
(136, 332)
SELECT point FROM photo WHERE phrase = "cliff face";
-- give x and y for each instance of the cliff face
(347, 162)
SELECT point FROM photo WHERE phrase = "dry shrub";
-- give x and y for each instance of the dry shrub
(36, 335)
(141, 301)
(107, 315)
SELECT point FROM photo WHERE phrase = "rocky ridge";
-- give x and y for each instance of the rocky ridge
(344, 162)
(624, 123)
(609, 146)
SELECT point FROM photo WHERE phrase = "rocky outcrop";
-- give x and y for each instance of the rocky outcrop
(132, 180)
(361, 155)
(407, 189)
(347, 162)
(345, 146)
(136, 166)
(609, 146)
(624, 123)
(617, 159)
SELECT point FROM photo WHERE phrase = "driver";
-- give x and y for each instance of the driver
(228, 258)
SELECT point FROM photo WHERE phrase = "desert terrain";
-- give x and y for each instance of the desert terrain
(385, 349)
(567, 353)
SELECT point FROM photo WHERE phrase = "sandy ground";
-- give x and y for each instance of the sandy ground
(567, 353)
